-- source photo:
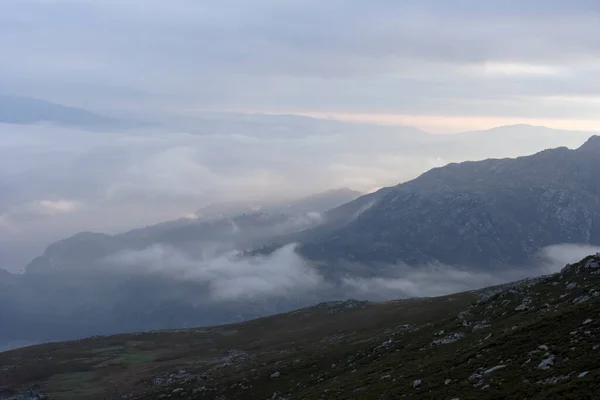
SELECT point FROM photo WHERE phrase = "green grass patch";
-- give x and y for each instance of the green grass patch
(74, 386)
(128, 359)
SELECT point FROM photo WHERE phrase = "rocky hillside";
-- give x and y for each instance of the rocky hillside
(475, 214)
(535, 339)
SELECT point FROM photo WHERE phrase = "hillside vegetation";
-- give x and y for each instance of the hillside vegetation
(536, 339)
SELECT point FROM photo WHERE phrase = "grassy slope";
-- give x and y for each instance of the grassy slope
(348, 350)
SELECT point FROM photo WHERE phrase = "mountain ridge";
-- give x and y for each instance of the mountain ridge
(493, 212)
(478, 216)
(24, 110)
(591, 145)
(219, 225)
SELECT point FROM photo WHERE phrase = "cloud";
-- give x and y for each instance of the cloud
(55, 181)
(285, 274)
(51, 207)
(228, 277)
(553, 258)
(437, 280)
(39, 208)
(422, 281)
(426, 58)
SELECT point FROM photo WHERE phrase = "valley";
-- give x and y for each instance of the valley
(538, 338)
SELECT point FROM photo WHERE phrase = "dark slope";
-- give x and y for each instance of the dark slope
(475, 214)
(535, 339)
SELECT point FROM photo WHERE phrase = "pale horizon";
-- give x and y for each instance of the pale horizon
(435, 124)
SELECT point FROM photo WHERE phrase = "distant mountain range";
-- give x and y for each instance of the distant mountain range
(474, 214)
(218, 230)
(478, 215)
(27, 110)
(74, 290)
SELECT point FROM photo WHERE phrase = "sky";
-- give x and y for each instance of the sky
(368, 71)
(438, 65)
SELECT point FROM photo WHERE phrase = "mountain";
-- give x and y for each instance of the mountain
(231, 227)
(535, 339)
(495, 212)
(28, 110)
(191, 272)
(193, 236)
(158, 277)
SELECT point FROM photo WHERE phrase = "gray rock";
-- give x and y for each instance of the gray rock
(581, 299)
(546, 363)
(571, 286)
(493, 369)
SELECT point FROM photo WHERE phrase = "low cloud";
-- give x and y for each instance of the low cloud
(228, 277)
(51, 207)
(38, 208)
(436, 280)
(211, 288)
(231, 277)
(554, 258)
(299, 222)
(421, 281)
(55, 182)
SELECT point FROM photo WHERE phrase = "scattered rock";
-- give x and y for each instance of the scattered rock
(30, 395)
(553, 380)
(581, 299)
(493, 369)
(546, 362)
(474, 376)
(480, 325)
(525, 305)
(451, 338)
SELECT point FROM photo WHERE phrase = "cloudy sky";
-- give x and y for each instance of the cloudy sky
(194, 66)
(439, 65)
